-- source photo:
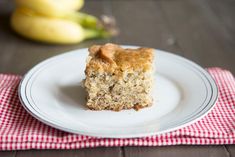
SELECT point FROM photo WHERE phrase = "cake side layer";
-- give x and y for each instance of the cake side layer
(106, 91)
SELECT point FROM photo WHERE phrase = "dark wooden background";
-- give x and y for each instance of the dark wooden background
(200, 30)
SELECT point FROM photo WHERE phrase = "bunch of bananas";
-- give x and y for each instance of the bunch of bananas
(57, 21)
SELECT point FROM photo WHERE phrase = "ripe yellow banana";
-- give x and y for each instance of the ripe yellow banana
(52, 8)
(46, 29)
(34, 26)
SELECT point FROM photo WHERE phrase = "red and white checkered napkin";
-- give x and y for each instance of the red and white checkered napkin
(19, 130)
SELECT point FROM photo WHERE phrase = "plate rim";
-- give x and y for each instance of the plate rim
(194, 118)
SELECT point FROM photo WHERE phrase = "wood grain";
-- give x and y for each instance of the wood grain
(7, 153)
(200, 34)
(172, 151)
(225, 12)
(142, 23)
(231, 150)
(97, 152)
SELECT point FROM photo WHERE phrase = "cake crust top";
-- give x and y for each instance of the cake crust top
(111, 57)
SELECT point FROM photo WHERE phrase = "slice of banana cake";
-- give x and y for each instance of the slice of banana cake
(118, 78)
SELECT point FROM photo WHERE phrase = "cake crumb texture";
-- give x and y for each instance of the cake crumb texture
(118, 78)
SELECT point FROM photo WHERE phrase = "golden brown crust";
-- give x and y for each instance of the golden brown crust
(111, 57)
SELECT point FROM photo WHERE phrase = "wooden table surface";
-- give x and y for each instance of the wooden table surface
(200, 30)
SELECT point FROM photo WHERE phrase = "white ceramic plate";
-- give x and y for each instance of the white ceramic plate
(183, 93)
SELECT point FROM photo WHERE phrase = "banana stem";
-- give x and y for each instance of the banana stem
(86, 20)
(94, 28)
(95, 33)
